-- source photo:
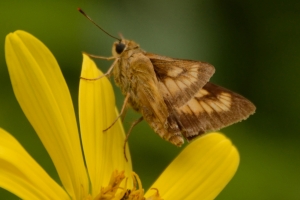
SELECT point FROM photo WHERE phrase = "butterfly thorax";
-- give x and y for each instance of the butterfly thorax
(122, 72)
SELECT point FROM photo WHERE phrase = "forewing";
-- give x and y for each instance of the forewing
(179, 80)
(146, 98)
(212, 108)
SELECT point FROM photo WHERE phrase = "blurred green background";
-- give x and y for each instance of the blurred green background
(254, 46)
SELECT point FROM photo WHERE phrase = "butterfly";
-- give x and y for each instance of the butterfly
(174, 96)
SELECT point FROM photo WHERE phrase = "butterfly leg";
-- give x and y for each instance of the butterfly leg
(100, 57)
(124, 113)
(101, 76)
(128, 133)
(121, 113)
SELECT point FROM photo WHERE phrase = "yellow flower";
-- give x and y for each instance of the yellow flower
(44, 97)
(201, 171)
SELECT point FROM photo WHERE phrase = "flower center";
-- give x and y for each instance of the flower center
(114, 192)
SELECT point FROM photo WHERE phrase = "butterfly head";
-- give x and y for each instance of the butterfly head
(123, 45)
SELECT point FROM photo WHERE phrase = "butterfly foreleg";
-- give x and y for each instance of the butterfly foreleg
(103, 75)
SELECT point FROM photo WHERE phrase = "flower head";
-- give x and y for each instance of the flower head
(100, 171)
(44, 97)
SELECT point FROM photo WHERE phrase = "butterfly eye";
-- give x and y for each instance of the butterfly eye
(120, 47)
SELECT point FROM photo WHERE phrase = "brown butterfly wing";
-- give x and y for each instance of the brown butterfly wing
(196, 105)
(145, 97)
(212, 108)
(180, 79)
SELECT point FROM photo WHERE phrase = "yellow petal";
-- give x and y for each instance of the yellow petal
(21, 175)
(44, 97)
(103, 150)
(200, 171)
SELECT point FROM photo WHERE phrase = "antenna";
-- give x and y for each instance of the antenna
(81, 11)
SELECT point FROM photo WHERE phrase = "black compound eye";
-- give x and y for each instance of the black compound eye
(120, 47)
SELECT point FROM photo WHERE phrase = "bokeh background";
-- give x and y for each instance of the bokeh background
(254, 46)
